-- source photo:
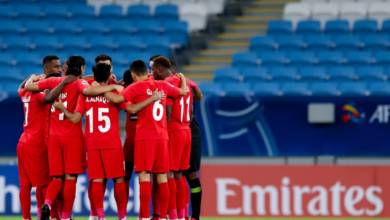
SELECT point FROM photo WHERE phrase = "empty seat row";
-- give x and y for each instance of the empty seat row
(364, 26)
(305, 73)
(297, 89)
(324, 11)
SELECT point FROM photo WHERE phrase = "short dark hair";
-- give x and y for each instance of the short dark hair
(162, 61)
(101, 72)
(102, 57)
(127, 78)
(138, 67)
(74, 64)
(47, 59)
(154, 57)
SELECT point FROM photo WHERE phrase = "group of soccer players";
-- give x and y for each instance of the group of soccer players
(162, 138)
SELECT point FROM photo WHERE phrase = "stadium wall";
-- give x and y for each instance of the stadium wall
(259, 188)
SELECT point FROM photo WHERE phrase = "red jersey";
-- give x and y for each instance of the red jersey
(152, 122)
(181, 107)
(36, 118)
(131, 123)
(102, 122)
(59, 124)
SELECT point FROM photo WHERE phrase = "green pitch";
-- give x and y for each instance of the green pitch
(133, 218)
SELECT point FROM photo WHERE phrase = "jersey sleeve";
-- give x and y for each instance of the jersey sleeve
(171, 90)
(49, 83)
(80, 107)
(40, 96)
(192, 84)
(21, 92)
(82, 84)
(129, 94)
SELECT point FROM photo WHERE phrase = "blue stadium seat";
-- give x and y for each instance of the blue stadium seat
(7, 11)
(75, 42)
(165, 12)
(176, 31)
(324, 89)
(18, 42)
(386, 26)
(38, 26)
(254, 75)
(359, 57)
(353, 89)
(376, 41)
(344, 73)
(308, 27)
(318, 42)
(244, 60)
(382, 57)
(310, 73)
(284, 73)
(379, 89)
(279, 27)
(227, 75)
(147, 28)
(102, 42)
(26, 59)
(6, 59)
(209, 88)
(270, 59)
(347, 42)
(130, 43)
(122, 26)
(365, 26)
(29, 69)
(47, 42)
(65, 27)
(94, 26)
(158, 45)
(10, 26)
(337, 27)
(29, 11)
(330, 57)
(9, 75)
(120, 59)
(54, 11)
(11, 87)
(139, 12)
(111, 11)
(295, 89)
(267, 89)
(237, 89)
(82, 11)
(299, 58)
(261, 43)
(369, 73)
(290, 42)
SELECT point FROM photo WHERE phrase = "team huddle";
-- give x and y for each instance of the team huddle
(162, 142)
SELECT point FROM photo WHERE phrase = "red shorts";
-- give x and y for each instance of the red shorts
(179, 149)
(152, 156)
(128, 150)
(66, 155)
(33, 165)
(105, 163)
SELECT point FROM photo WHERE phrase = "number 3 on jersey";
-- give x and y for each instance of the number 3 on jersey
(102, 117)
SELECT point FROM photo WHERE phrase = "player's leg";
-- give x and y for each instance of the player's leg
(40, 196)
(68, 195)
(97, 197)
(192, 174)
(24, 183)
(163, 195)
(155, 198)
(145, 194)
(172, 209)
(180, 199)
(96, 187)
(121, 197)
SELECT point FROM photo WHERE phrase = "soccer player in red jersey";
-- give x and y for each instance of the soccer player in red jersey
(32, 146)
(102, 137)
(66, 148)
(180, 113)
(151, 139)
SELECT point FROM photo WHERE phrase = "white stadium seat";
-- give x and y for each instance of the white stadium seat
(325, 11)
(379, 11)
(214, 7)
(153, 3)
(296, 12)
(126, 3)
(353, 11)
(195, 14)
(97, 4)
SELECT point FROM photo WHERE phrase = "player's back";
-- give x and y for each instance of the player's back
(151, 122)
(59, 124)
(181, 107)
(102, 122)
(36, 116)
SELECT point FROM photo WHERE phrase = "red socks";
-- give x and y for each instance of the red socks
(172, 211)
(97, 196)
(145, 196)
(40, 195)
(52, 191)
(163, 199)
(25, 201)
(186, 196)
(69, 194)
(155, 199)
(121, 198)
(181, 203)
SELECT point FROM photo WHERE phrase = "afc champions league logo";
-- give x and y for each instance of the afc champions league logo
(352, 114)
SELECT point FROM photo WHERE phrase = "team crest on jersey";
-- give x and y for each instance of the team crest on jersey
(149, 92)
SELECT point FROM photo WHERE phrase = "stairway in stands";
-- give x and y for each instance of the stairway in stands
(236, 38)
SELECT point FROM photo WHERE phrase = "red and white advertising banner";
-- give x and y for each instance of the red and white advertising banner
(295, 191)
